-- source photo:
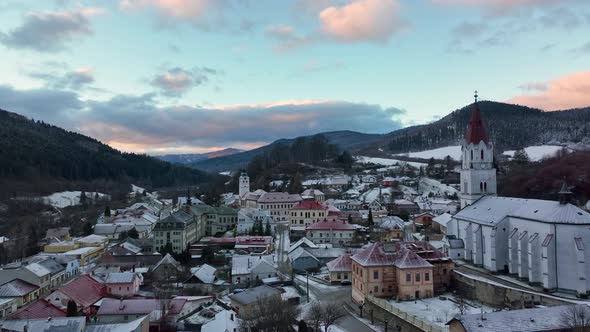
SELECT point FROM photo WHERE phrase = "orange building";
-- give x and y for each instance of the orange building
(397, 270)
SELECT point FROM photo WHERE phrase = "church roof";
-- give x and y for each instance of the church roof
(476, 131)
(490, 210)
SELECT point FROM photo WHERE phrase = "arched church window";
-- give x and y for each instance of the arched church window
(471, 154)
(481, 186)
(481, 154)
(485, 186)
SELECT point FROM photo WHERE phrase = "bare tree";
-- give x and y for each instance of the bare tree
(332, 311)
(461, 304)
(270, 314)
(315, 315)
(576, 317)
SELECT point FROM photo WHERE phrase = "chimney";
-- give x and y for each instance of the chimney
(187, 209)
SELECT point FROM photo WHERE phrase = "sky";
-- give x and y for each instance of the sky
(191, 76)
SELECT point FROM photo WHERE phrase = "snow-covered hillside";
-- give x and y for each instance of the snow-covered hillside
(386, 162)
(70, 198)
(440, 153)
(539, 152)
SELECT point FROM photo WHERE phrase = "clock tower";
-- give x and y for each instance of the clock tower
(478, 175)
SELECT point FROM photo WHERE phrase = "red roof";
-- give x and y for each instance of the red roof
(309, 205)
(381, 254)
(85, 291)
(476, 131)
(38, 310)
(330, 225)
(340, 264)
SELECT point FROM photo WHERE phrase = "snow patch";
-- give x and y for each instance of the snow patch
(440, 153)
(70, 198)
(538, 152)
(387, 162)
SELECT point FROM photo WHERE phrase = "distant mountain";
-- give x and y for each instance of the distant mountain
(344, 140)
(509, 126)
(36, 156)
(190, 158)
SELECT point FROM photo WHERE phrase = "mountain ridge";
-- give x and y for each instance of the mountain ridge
(188, 158)
(509, 126)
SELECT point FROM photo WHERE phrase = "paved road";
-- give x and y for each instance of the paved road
(342, 294)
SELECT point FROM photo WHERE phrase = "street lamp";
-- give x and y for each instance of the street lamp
(386, 321)
(372, 320)
(361, 309)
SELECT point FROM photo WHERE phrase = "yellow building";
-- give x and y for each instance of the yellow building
(85, 255)
(60, 247)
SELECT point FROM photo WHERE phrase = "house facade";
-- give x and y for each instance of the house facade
(335, 232)
(178, 230)
(279, 204)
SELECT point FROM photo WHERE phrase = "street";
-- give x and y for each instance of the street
(336, 293)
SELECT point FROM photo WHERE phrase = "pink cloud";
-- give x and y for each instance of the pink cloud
(362, 20)
(570, 91)
(190, 10)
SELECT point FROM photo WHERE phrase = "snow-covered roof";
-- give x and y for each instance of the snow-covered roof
(243, 264)
(535, 319)
(341, 264)
(303, 241)
(224, 320)
(301, 252)
(205, 273)
(380, 254)
(490, 210)
(443, 219)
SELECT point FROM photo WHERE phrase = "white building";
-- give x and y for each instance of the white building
(540, 241)
(244, 186)
(250, 268)
(478, 175)
(279, 204)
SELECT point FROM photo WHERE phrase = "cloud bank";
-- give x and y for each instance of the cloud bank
(138, 123)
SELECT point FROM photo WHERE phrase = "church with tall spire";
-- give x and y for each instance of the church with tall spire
(478, 175)
(538, 241)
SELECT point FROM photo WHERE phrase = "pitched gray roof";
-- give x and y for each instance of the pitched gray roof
(61, 324)
(252, 295)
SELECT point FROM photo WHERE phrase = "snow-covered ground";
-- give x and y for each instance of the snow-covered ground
(440, 153)
(537, 153)
(437, 311)
(69, 198)
(387, 161)
(438, 189)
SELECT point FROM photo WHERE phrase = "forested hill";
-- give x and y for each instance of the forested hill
(33, 151)
(510, 127)
(342, 140)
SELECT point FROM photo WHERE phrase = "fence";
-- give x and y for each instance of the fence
(415, 322)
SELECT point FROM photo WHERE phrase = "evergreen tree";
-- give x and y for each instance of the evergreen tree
(267, 230)
(370, 218)
(123, 235)
(133, 233)
(83, 198)
(33, 242)
(295, 186)
(520, 158)
(72, 309)
(350, 218)
(107, 211)
(207, 255)
(88, 228)
(302, 326)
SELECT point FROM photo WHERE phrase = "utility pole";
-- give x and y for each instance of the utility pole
(307, 275)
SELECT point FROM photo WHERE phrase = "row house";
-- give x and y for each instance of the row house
(305, 214)
(177, 230)
(335, 232)
(279, 204)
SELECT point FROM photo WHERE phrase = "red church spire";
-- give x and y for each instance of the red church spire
(475, 130)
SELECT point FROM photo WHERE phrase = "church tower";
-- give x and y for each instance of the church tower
(478, 175)
(244, 187)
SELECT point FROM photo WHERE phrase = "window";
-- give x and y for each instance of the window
(375, 275)
(471, 154)
(417, 276)
(444, 271)
(408, 277)
(481, 154)
(376, 289)
(426, 276)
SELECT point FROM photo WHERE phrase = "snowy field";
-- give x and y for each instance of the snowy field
(440, 153)
(537, 153)
(387, 162)
(438, 189)
(436, 311)
(69, 198)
